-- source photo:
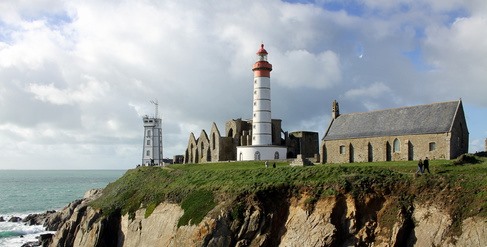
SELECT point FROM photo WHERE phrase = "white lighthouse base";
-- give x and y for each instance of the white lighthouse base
(245, 153)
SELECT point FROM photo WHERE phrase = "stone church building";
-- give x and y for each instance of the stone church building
(217, 147)
(437, 131)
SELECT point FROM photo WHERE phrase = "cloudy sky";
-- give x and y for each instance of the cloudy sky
(76, 76)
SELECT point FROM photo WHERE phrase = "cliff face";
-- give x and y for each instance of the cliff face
(281, 219)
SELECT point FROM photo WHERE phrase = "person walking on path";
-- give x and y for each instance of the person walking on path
(420, 167)
(426, 165)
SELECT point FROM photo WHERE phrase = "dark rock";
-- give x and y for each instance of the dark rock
(38, 219)
(56, 219)
(31, 244)
(45, 239)
(15, 219)
(2, 219)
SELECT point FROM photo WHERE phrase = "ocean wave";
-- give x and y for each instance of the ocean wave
(10, 229)
(8, 234)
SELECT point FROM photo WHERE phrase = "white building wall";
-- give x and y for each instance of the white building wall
(261, 121)
(245, 153)
(152, 146)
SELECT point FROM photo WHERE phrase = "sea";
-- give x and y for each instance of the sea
(23, 192)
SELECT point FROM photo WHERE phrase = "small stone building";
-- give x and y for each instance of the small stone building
(437, 131)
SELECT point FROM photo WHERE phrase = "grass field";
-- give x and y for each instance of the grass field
(194, 185)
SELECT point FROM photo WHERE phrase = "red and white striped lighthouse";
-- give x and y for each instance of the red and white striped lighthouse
(261, 147)
(261, 120)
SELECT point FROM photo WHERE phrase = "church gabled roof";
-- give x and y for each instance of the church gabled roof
(413, 120)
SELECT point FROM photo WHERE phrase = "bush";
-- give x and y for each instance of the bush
(466, 159)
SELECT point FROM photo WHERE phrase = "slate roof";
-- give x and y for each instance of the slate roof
(421, 119)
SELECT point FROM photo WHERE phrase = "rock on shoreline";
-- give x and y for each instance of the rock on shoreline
(53, 220)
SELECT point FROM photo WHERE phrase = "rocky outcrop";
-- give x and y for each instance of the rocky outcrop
(38, 219)
(274, 218)
(15, 219)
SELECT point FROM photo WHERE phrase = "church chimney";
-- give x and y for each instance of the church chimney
(335, 112)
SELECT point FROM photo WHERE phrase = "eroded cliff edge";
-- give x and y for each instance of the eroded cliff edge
(276, 221)
(358, 210)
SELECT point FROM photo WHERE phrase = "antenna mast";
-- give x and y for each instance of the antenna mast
(156, 103)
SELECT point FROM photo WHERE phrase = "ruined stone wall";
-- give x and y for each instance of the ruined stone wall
(411, 147)
(215, 146)
(191, 151)
(305, 143)
(228, 149)
(276, 132)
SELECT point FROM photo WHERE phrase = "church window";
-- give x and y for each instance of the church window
(342, 149)
(148, 142)
(147, 153)
(255, 92)
(276, 155)
(255, 81)
(432, 146)
(148, 133)
(396, 146)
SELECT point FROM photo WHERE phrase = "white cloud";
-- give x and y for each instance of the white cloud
(459, 55)
(300, 68)
(76, 76)
(85, 93)
(375, 91)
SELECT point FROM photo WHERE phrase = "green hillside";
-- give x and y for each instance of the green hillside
(199, 187)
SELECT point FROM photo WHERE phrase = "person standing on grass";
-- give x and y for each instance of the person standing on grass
(266, 164)
(420, 167)
(426, 164)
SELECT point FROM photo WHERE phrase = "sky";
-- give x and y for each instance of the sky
(76, 76)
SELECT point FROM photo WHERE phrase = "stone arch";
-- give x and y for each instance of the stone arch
(410, 151)
(370, 153)
(396, 146)
(388, 151)
(351, 154)
(324, 155)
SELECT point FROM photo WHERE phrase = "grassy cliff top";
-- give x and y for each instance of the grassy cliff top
(191, 184)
